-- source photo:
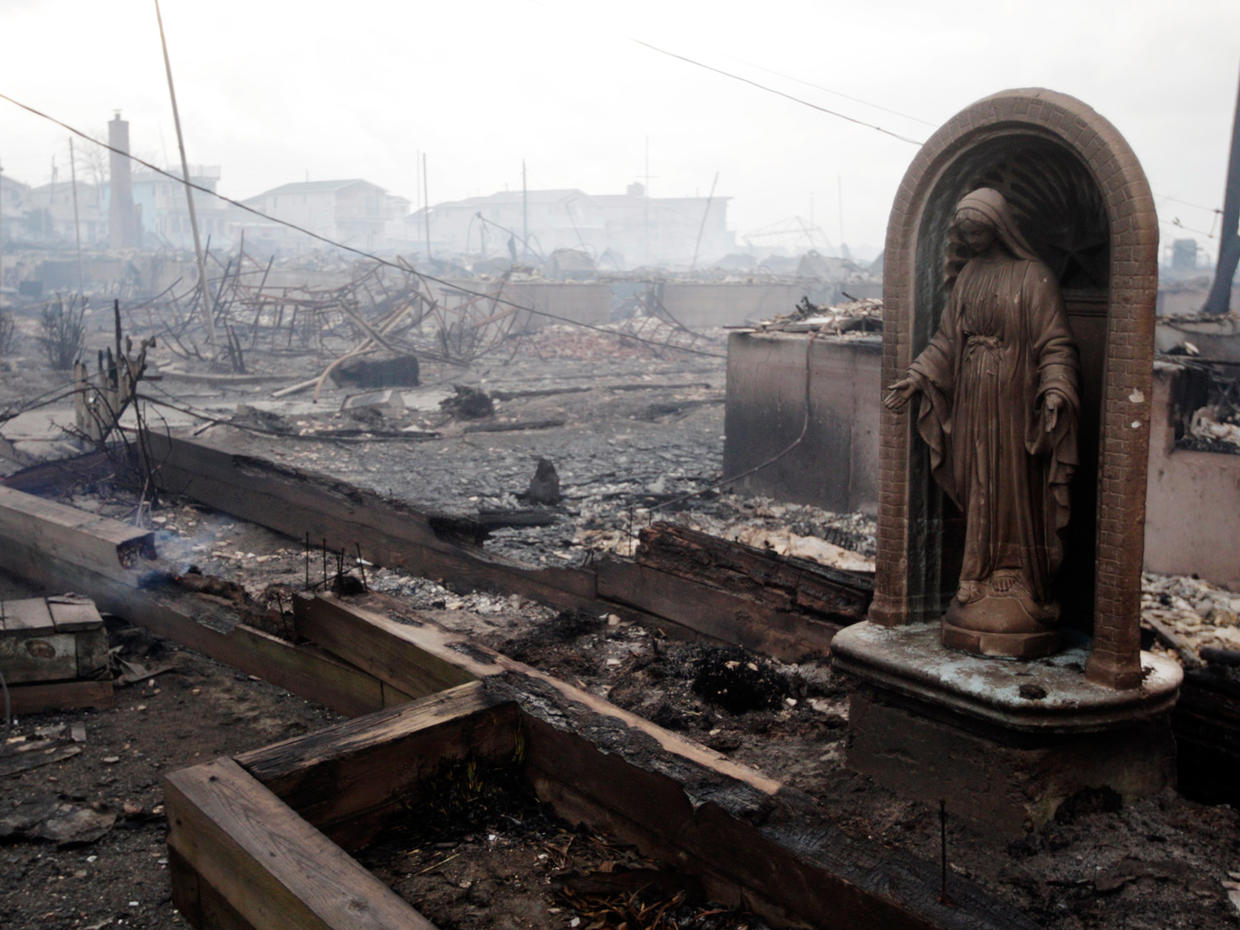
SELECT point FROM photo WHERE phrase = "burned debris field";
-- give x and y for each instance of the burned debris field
(634, 451)
(548, 559)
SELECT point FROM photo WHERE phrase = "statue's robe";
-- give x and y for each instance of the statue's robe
(1002, 343)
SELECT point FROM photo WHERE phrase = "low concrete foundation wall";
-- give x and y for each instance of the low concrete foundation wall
(700, 305)
(835, 465)
(569, 300)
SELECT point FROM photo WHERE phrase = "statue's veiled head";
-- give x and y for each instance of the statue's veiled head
(982, 219)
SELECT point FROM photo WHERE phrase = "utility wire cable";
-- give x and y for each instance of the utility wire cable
(841, 94)
(778, 93)
(403, 267)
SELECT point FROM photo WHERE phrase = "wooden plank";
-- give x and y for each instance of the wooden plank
(694, 554)
(391, 533)
(85, 540)
(71, 613)
(372, 643)
(91, 654)
(50, 477)
(349, 778)
(28, 656)
(29, 615)
(714, 614)
(412, 647)
(198, 901)
(306, 671)
(178, 616)
(60, 695)
(275, 870)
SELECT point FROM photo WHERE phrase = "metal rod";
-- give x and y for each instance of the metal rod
(77, 225)
(943, 852)
(189, 191)
(426, 210)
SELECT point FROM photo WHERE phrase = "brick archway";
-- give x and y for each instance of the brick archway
(1113, 314)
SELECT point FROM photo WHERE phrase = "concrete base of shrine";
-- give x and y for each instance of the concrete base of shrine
(1004, 742)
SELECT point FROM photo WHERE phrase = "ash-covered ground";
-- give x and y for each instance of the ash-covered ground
(633, 436)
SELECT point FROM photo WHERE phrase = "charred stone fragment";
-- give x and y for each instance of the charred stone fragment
(467, 403)
(544, 486)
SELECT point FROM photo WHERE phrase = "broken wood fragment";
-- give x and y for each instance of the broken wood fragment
(514, 425)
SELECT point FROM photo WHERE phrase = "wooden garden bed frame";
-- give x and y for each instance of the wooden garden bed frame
(263, 839)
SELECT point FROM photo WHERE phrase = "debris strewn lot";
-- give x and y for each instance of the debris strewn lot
(633, 436)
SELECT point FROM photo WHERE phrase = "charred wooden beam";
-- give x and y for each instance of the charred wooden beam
(260, 865)
(687, 584)
(59, 548)
(35, 529)
(349, 778)
(835, 595)
(391, 533)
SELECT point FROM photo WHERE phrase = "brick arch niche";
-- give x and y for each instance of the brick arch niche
(1083, 203)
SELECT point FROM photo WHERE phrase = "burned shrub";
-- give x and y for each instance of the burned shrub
(62, 329)
(8, 333)
(739, 682)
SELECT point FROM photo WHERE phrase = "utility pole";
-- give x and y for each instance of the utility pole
(1219, 300)
(525, 216)
(839, 187)
(77, 225)
(705, 215)
(646, 234)
(426, 209)
(207, 310)
(1, 237)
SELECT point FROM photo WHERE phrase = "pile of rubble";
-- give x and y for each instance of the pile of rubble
(1189, 615)
(853, 319)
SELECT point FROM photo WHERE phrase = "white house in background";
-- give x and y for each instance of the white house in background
(49, 212)
(14, 197)
(351, 211)
(163, 214)
(642, 229)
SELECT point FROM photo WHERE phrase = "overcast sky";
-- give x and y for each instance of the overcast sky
(277, 92)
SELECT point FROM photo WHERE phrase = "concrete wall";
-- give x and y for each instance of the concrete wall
(1188, 299)
(582, 303)
(699, 305)
(579, 302)
(835, 466)
(1192, 509)
(1192, 519)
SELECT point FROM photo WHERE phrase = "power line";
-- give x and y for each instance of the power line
(779, 93)
(1189, 203)
(841, 94)
(400, 266)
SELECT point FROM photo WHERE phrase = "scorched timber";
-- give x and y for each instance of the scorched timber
(59, 548)
(747, 839)
(688, 584)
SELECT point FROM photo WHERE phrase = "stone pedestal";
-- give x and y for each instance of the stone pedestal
(1004, 742)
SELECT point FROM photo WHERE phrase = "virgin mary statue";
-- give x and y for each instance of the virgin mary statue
(999, 405)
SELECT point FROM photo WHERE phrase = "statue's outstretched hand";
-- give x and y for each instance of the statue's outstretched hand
(899, 393)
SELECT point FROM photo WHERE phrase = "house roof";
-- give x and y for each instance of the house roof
(514, 197)
(316, 187)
